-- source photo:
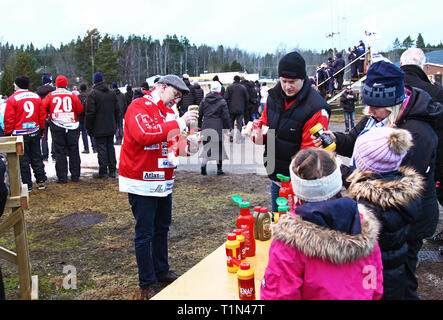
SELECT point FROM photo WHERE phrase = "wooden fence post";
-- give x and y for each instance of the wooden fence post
(17, 201)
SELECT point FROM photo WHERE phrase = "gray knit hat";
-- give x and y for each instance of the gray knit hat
(175, 82)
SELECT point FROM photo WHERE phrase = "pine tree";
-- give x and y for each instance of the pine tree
(6, 82)
(106, 60)
(420, 43)
(236, 66)
(408, 43)
(85, 53)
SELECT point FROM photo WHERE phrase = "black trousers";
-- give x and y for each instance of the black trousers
(106, 155)
(32, 158)
(66, 145)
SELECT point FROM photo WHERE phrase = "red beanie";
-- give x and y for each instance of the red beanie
(61, 81)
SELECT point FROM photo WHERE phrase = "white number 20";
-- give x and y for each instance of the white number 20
(67, 104)
(28, 106)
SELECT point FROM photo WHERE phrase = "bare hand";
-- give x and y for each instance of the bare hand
(317, 141)
(190, 116)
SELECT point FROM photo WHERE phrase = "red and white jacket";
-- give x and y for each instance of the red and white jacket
(151, 144)
(23, 113)
(64, 107)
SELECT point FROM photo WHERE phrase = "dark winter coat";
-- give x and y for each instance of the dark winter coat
(416, 77)
(288, 125)
(102, 111)
(348, 104)
(43, 91)
(129, 95)
(199, 94)
(395, 199)
(214, 114)
(187, 99)
(237, 98)
(83, 96)
(339, 64)
(121, 101)
(417, 118)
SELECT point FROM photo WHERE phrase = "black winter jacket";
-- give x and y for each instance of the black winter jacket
(199, 94)
(288, 125)
(83, 96)
(395, 199)
(102, 111)
(416, 77)
(43, 91)
(121, 101)
(348, 104)
(237, 98)
(187, 99)
(213, 114)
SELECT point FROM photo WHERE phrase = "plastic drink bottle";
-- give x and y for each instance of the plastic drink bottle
(193, 125)
(256, 129)
(241, 239)
(232, 252)
(246, 222)
(319, 132)
(246, 283)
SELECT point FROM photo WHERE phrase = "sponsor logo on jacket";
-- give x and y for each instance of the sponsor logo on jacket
(153, 175)
(163, 163)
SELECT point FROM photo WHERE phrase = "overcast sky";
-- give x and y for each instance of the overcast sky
(256, 26)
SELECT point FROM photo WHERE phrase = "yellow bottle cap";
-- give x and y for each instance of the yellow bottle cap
(316, 128)
(331, 147)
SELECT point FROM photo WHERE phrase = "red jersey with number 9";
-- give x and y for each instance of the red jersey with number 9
(64, 108)
(23, 113)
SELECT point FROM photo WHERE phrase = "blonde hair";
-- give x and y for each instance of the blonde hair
(394, 113)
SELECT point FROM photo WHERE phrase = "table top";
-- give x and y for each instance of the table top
(210, 280)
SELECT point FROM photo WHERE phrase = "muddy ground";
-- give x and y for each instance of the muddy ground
(103, 253)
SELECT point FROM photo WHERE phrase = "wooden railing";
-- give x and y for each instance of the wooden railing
(17, 202)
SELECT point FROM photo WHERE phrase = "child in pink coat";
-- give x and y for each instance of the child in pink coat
(328, 250)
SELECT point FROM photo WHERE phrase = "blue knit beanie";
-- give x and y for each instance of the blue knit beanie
(114, 85)
(128, 88)
(98, 77)
(46, 78)
(384, 86)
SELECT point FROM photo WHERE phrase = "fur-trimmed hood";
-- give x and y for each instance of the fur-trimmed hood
(317, 241)
(396, 191)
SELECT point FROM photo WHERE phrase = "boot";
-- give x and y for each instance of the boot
(203, 171)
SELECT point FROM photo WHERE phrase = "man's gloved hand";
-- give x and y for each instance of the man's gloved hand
(42, 133)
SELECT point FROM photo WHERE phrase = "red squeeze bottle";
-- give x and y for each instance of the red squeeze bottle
(286, 190)
(246, 221)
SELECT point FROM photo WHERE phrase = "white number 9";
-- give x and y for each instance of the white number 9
(28, 106)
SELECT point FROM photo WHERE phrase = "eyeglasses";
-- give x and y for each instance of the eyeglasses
(177, 94)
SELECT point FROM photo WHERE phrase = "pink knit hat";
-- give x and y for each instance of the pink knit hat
(382, 149)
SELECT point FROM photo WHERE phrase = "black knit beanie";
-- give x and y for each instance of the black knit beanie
(292, 66)
(22, 82)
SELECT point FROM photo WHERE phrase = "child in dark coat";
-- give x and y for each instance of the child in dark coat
(393, 193)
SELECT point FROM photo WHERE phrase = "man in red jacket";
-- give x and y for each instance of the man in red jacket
(24, 116)
(64, 108)
(148, 160)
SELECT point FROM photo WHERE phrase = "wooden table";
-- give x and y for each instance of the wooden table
(210, 280)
